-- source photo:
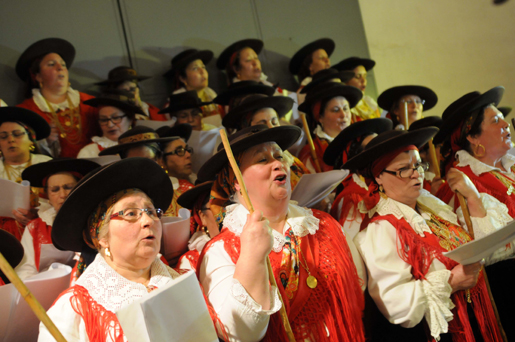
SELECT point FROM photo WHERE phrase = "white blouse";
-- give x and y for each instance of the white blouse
(16, 170)
(92, 150)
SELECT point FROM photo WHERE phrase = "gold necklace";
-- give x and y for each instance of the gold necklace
(506, 181)
(311, 280)
(73, 130)
(9, 169)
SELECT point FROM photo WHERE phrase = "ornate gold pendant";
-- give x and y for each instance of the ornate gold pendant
(312, 281)
(68, 123)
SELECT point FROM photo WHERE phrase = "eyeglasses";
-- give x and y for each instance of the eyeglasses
(66, 187)
(134, 214)
(15, 134)
(407, 172)
(417, 102)
(114, 119)
(193, 116)
(180, 151)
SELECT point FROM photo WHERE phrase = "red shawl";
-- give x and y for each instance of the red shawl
(40, 232)
(351, 195)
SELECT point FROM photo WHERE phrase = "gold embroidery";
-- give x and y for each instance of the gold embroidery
(139, 137)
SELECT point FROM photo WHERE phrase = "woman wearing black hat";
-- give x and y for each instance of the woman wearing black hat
(309, 255)
(116, 113)
(189, 72)
(187, 108)
(113, 218)
(57, 177)
(236, 92)
(367, 107)
(327, 107)
(402, 240)
(310, 59)
(44, 66)
(127, 79)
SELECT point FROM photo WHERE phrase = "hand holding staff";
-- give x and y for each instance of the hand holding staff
(30, 299)
(311, 144)
(249, 206)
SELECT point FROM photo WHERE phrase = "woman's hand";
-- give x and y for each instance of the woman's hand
(458, 181)
(24, 216)
(256, 238)
(464, 277)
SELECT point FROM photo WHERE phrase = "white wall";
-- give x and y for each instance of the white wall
(450, 46)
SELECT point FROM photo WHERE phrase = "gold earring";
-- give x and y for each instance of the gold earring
(381, 189)
(40, 85)
(107, 252)
(165, 170)
(32, 148)
(477, 153)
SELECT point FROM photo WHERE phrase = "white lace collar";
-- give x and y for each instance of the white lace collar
(175, 183)
(113, 291)
(323, 135)
(39, 100)
(417, 221)
(301, 220)
(306, 81)
(479, 167)
(104, 142)
(358, 181)
(47, 213)
(18, 169)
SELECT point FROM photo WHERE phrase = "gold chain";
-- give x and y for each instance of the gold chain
(8, 169)
(73, 124)
(506, 181)
(310, 280)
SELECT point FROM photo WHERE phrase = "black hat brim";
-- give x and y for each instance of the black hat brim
(225, 56)
(122, 79)
(27, 117)
(281, 104)
(43, 47)
(182, 106)
(204, 55)
(11, 249)
(284, 136)
(125, 107)
(189, 198)
(141, 173)
(35, 174)
(505, 110)
(428, 121)
(122, 147)
(350, 93)
(390, 96)
(343, 75)
(354, 131)
(296, 61)
(181, 130)
(225, 98)
(418, 138)
(353, 62)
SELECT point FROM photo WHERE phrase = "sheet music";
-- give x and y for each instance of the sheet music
(14, 196)
(204, 144)
(313, 188)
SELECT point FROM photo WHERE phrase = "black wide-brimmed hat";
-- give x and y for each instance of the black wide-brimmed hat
(141, 173)
(354, 131)
(326, 75)
(242, 88)
(298, 58)
(121, 99)
(27, 117)
(181, 60)
(184, 100)
(189, 198)
(505, 110)
(428, 121)
(225, 56)
(11, 249)
(181, 131)
(36, 174)
(41, 48)
(139, 135)
(388, 97)
(387, 142)
(284, 136)
(460, 109)
(122, 74)
(326, 91)
(352, 62)
(253, 103)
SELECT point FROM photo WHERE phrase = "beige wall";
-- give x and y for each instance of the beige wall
(453, 47)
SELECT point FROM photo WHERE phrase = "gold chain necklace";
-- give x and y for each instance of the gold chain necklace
(9, 169)
(73, 130)
(311, 280)
(506, 181)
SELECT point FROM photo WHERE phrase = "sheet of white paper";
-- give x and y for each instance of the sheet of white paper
(18, 322)
(476, 250)
(295, 111)
(215, 120)
(176, 312)
(154, 124)
(176, 233)
(50, 254)
(104, 160)
(313, 188)
(203, 143)
(297, 147)
(14, 196)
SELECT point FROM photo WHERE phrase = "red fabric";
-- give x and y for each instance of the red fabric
(10, 225)
(1, 282)
(192, 257)
(320, 146)
(420, 253)
(427, 185)
(40, 232)
(153, 113)
(336, 303)
(89, 123)
(351, 195)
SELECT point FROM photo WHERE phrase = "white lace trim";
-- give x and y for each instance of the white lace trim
(358, 181)
(301, 221)
(47, 213)
(197, 241)
(242, 296)
(39, 100)
(479, 167)
(104, 142)
(323, 135)
(113, 291)
(439, 304)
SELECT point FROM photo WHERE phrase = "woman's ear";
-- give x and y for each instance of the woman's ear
(379, 181)
(182, 80)
(473, 140)
(236, 185)
(203, 218)
(38, 78)
(103, 243)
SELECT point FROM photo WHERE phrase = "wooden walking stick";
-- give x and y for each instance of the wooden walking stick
(311, 144)
(434, 159)
(30, 299)
(406, 120)
(246, 197)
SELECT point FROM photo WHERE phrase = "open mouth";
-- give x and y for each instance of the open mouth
(281, 179)
(150, 238)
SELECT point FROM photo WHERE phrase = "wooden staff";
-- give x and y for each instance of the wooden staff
(30, 299)
(406, 120)
(434, 159)
(310, 142)
(248, 203)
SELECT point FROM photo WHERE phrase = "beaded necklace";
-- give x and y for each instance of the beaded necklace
(72, 129)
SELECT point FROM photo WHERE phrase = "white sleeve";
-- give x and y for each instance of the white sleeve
(497, 216)
(89, 151)
(350, 229)
(27, 267)
(243, 318)
(398, 295)
(69, 323)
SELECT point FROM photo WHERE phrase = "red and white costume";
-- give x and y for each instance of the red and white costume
(99, 144)
(321, 140)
